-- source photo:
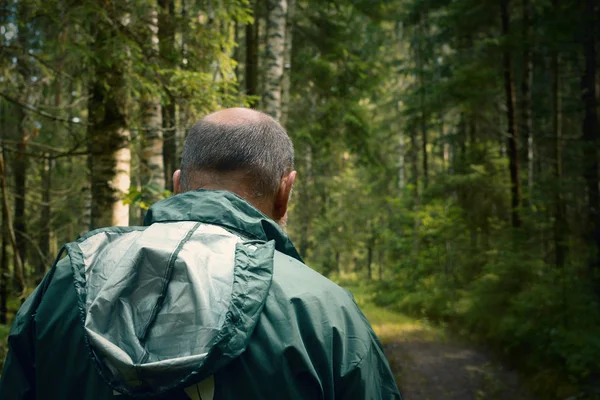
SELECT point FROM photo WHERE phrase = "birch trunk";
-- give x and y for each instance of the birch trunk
(287, 62)
(122, 180)
(152, 168)
(169, 53)
(274, 57)
(108, 144)
(252, 38)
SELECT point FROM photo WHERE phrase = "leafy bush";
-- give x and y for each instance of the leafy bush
(543, 319)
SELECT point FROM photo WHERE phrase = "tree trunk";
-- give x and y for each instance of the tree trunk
(122, 180)
(169, 54)
(152, 168)
(423, 114)
(304, 203)
(4, 274)
(380, 260)
(509, 87)
(274, 57)
(526, 84)
(414, 161)
(559, 206)
(401, 179)
(237, 52)
(20, 176)
(445, 150)
(169, 144)
(251, 80)
(370, 249)
(287, 62)
(20, 161)
(590, 131)
(19, 270)
(108, 138)
(109, 151)
(45, 231)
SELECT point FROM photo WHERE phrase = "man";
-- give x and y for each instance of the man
(209, 299)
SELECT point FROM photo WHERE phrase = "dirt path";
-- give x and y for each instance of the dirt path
(429, 365)
(436, 370)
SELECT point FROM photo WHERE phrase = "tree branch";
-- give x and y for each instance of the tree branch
(38, 111)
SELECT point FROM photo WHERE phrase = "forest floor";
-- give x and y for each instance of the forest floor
(430, 364)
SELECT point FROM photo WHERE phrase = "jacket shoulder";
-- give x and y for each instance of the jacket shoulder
(320, 308)
(299, 281)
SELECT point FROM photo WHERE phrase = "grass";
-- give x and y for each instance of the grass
(4, 329)
(390, 325)
(13, 305)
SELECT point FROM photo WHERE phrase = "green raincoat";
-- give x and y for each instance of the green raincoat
(209, 299)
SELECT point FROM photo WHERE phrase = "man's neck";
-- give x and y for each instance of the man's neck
(261, 204)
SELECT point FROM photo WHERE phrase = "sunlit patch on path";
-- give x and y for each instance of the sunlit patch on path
(428, 365)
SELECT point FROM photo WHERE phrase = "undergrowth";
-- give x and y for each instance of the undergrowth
(539, 319)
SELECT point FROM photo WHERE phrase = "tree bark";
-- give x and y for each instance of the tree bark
(121, 181)
(45, 231)
(509, 87)
(20, 177)
(560, 225)
(590, 131)
(401, 180)
(274, 56)
(304, 204)
(20, 161)
(287, 62)
(169, 54)
(370, 249)
(252, 40)
(526, 84)
(19, 270)
(109, 149)
(414, 161)
(4, 274)
(423, 114)
(152, 168)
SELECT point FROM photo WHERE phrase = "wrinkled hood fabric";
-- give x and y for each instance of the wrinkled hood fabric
(173, 302)
(223, 208)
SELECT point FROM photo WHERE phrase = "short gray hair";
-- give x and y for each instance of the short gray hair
(259, 148)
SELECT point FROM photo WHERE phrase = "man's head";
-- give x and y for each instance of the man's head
(243, 151)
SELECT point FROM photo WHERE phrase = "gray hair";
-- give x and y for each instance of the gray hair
(260, 148)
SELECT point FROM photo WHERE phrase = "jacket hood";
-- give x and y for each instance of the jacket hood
(168, 305)
(223, 208)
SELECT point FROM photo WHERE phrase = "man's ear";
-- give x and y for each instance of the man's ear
(177, 182)
(282, 197)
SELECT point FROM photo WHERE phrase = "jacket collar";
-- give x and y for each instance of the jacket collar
(220, 207)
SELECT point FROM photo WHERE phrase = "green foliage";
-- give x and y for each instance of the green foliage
(4, 329)
(146, 196)
(541, 318)
(382, 92)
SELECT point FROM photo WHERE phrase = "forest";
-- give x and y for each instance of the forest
(447, 150)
